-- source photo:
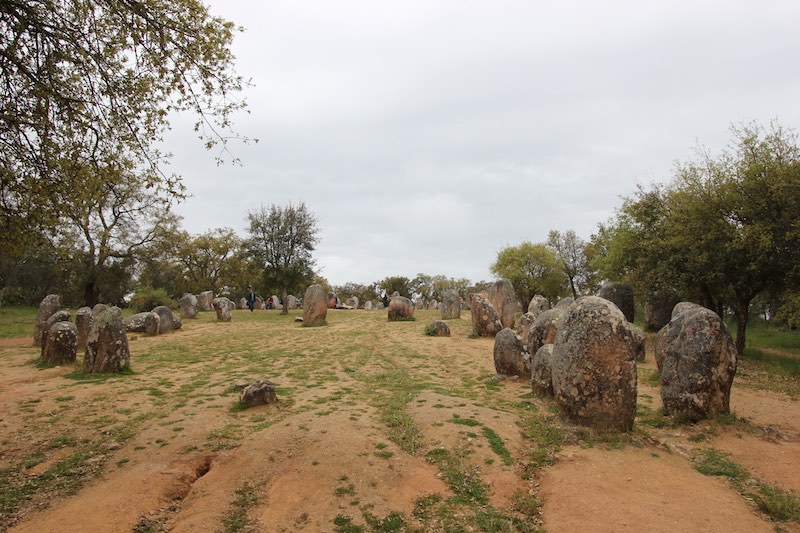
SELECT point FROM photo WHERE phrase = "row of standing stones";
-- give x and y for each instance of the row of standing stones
(583, 353)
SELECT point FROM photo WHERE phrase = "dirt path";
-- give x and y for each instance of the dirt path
(375, 421)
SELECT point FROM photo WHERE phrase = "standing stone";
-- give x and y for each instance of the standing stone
(438, 328)
(188, 303)
(698, 367)
(243, 303)
(169, 322)
(83, 321)
(594, 366)
(658, 309)
(62, 344)
(682, 307)
(352, 302)
(544, 329)
(98, 308)
(49, 305)
(204, 300)
(368, 305)
(502, 297)
(639, 342)
(538, 305)
(58, 316)
(147, 322)
(107, 347)
(621, 295)
(379, 306)
(400, 308)
(259, 303)
(510, 356)
(315, 306)
(292, 302)
(451, 305)
(563, 303)
(667, 335)
(222, 306)
(525, 323)
(485, 320)
(542, 371)
(333, 300)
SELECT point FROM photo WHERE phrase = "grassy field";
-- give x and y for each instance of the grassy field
(409, 410)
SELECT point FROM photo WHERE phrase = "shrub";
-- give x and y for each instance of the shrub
(146, 298)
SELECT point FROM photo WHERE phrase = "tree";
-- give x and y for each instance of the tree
(282, 239)
(532, 269)
(571, 251)
(96, 81)
(208, 261)
(725, 230)
(400, 284)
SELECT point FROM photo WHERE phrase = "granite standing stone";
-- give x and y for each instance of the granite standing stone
(49, 305)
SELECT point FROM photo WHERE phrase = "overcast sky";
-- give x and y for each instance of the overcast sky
(428, 135)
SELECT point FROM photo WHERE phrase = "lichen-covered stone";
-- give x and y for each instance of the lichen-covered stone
(368, 305)
(658, 309)
(315, 306)
(451, 305)
(594, 367)
(292, 302)
(49, 305)
(439, 328)
(563, 303)
(83, 321)
(223, 307)
(538, 305)
(525, 323)
(62, 344)
(510, 356)
(107, 346)
(682, 307)
(148, 323)
(188, 303)
(639, 342)
(352, 302)
(485, 320)
(98, 308)
(400, 308)
(59, 316)
(333, 300)
(542, 371)
(169, 322)
(260, 392)
(204, 300)
(698, 367)
(666, 334)
(544, 328)
(502, 297)
(621, 295)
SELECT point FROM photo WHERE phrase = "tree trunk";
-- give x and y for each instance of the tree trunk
(741, 329)
(572, 286)
(90, 292)
(285, 300)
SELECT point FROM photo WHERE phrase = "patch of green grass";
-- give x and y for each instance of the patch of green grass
(773, 363)
(497, 445)
(545, 439)
(471, 422)
(344, 524)
(761, 336)
(224, 438)
(236, 520)
(392, 523)
(712, 462)
(17, 322)
(424, 504)
(462, 478)
(777, 503)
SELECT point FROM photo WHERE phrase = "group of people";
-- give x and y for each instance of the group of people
(251, 299)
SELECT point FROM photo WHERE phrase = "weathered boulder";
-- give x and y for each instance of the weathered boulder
(259, 303)
(451, 305)
(544, 328)
(525, 323)
(83, 321)
(510, 356)
(658, 309)
(169, 322)
(223, 307)
(204, 300)
(485, 320)
(542, 371)
(352, 302)
(242, 303)
(400, 308)
(59, 316)
(667, 335)
(147, 322)
(368, 305)
(563, 303)
(621, 295)
(49, 305)
(538, 305)
(639, 341)
(379, 306)
(260, 392)
(315, 306)
(107, 346)
(698, 366)
(188, 303)
(594, 366)
(62, 344)
(292, 302)
(502, 297)
(438, 328)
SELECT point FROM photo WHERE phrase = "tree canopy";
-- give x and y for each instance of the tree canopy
(95, 82)
(532, 269)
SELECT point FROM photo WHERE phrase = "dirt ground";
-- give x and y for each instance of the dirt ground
(166, 448)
